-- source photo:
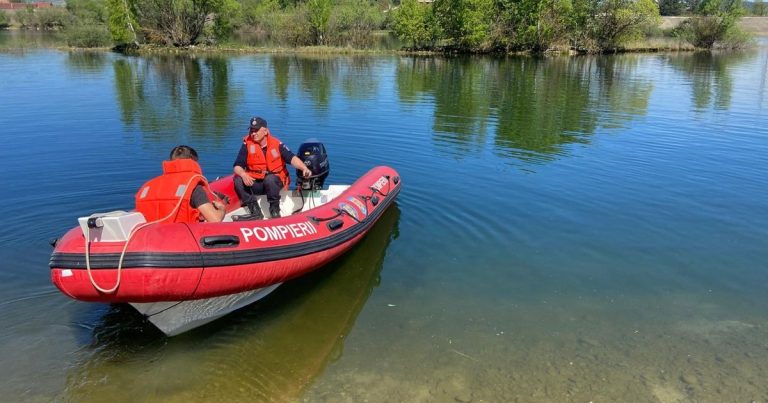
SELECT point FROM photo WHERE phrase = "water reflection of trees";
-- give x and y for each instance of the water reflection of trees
(318, 76)
(525, 108)
(711, 82)
(173, 96)
(86, 62)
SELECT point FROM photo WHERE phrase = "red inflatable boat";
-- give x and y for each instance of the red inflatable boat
(184, 275)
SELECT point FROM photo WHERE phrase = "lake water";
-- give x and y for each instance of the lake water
(569, 229)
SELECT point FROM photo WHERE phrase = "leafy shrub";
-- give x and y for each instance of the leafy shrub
(293, 28)
(88, 11)
(5, 20)
(352, 24)
(26, 18)
(53, 18)
(414, 23)
(606, 25)
(715, 25)
(88, 36)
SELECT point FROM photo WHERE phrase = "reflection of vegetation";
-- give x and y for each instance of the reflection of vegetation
(281, 66)
(545, 105)
(85, 61)
(268, 352)
(708, 72)
(175, 95)
(358, 80)
(536, 106)
(319, 75)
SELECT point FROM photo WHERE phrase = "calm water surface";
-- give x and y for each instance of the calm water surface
(570, 229)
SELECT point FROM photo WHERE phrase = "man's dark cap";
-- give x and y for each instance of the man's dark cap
(257, 123)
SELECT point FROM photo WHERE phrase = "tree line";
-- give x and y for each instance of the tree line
(542, 25)
(472, 26)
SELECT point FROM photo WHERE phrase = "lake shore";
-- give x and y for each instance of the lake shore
(757, 26)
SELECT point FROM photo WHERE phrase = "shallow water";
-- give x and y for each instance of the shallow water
(570, 229)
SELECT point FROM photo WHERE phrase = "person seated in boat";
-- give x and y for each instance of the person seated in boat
(260, 168)
(181, 193)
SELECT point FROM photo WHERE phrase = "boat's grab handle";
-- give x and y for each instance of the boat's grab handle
(335, 224)
(220, 241)
(317, 220)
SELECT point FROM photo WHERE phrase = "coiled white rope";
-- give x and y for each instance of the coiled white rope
(134, 230)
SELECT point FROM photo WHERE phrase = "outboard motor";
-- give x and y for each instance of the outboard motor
(312, 153)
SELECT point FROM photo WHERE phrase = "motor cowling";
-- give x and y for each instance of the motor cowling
(312, 152)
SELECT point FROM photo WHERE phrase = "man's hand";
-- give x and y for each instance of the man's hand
(247, 180)
(306, 172)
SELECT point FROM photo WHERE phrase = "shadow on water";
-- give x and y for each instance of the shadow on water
(270, 351)
(526, 108)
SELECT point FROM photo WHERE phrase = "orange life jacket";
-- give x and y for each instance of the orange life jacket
(158, 197)
(259, 164)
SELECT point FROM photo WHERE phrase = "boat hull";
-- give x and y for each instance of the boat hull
(176, 317)
(182, 262)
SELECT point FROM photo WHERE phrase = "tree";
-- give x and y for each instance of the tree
(550, 20)
(88, 11)
(352, 23)
(224, 21)
(449, 16)
(178, 23)
(606, 24)
(26, 17)
(5, 21)
(759, 8)
(414, 23)
(122, 22)
(478, 19)
(53, 18)
(672, 7)
(319, 15)
(715, 22)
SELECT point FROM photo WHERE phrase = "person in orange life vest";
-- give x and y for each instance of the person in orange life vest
(182, 179)
(260, 168)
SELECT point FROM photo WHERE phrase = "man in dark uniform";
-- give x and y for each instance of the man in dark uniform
(260, 168)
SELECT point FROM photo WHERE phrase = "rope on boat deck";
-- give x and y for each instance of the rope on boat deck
(130, 236)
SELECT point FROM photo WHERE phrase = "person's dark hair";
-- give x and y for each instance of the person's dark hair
(179, 152)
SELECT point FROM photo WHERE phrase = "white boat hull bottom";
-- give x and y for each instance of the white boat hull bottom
(175, 317)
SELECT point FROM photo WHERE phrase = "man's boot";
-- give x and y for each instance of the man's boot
(255, 211)
(274, 209)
